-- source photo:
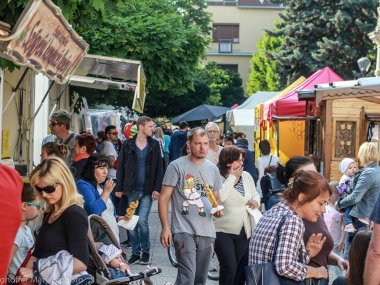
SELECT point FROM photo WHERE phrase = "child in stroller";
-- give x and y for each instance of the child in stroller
(99, 235)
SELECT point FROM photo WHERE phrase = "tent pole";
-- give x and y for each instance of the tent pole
(278, 137)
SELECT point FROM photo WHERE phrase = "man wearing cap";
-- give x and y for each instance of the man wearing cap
(60, 131)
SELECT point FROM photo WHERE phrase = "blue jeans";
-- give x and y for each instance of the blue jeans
(347, 217)
(272, 200)
(358, 225)
(140, 235)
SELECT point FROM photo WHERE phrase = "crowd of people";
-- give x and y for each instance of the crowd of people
(309, 227)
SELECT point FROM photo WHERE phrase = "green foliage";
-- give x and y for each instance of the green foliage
(213, 86)
(169, 39)
(263, 74)
(324, 33)
(75, 11)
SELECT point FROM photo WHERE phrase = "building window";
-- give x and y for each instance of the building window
(225, 46)
(225, 32)
(230, 67)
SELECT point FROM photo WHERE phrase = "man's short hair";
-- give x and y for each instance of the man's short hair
(264, 147)
(183, 125)
(143, 120)
(196, 131)
(109, 128)
(62, 117)
(212, 125)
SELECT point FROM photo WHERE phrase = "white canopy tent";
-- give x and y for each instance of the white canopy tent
(242, 118)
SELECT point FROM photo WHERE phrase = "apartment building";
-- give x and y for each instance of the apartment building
(237, 26)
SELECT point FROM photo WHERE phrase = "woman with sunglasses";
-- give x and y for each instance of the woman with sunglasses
(65, 224)
(30, 206)
(97, 199)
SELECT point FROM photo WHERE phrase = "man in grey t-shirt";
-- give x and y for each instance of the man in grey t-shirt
(185, 183)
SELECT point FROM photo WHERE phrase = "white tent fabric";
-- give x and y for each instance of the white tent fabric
(244, 115)
(242, 118)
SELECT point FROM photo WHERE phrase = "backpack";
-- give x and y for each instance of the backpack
(269, 183)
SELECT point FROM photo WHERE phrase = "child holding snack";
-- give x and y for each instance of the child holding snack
(112, 257)
(348, 168)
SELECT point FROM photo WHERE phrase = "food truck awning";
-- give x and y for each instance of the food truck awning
(102, 72)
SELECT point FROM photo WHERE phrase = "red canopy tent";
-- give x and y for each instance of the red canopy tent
(288, 104)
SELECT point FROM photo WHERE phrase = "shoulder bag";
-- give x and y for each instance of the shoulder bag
(265, 273)
(18, 279)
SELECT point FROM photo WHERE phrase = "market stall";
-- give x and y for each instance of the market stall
(346, 114)
(288, 114)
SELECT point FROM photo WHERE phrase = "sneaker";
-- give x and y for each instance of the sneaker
(134, 259)
(145, 258)
(349, 228)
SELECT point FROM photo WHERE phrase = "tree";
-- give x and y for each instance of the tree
(162, 35)
(348, 40)
(212, 85)
(73, 10)
(263, 74)
(323, 33)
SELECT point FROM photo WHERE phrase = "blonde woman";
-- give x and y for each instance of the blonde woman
(365, 190)
(65, 223)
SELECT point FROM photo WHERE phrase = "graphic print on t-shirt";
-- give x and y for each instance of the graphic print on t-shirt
(193, 192)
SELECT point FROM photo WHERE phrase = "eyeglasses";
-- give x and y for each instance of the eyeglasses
(47, 189)
(53, 124)
(114, 133)
(37, 204)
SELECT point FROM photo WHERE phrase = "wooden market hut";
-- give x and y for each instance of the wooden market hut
(287, 114)
(344, 115)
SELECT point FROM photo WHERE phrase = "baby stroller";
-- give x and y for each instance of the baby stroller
(100, 233)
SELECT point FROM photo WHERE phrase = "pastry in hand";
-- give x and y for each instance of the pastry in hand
(131, 210)
(210, 196)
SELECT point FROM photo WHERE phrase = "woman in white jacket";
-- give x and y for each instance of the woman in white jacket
(234, 229)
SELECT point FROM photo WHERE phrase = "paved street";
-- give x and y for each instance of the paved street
(159, 256)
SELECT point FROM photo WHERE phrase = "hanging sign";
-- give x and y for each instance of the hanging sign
(46, 42)
(140, 92)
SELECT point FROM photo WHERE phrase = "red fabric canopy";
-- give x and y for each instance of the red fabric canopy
(288, 104)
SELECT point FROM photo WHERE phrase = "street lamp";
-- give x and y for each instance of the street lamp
(364, 64)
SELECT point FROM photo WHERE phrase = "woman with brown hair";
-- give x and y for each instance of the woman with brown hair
(234, 229)
(305, 198)
(356, 259)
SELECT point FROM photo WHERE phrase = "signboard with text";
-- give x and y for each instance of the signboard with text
(46, 42)
(140, 92)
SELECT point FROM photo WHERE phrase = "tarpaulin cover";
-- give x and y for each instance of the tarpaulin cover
(288, 104)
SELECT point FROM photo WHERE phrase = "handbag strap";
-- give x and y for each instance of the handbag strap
(277, 236)
(270, 160)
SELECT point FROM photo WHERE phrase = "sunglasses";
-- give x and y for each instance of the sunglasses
(114, 133)
(47, 189)
(36, 204)
(53, 124)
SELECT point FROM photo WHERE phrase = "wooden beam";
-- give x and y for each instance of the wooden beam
(328, 139)
(371, 99)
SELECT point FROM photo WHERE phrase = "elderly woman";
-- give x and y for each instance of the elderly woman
(97, 199)
(234, 229)
(61, 243)
(306, 198)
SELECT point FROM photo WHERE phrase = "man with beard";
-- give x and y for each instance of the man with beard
(185, 182)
